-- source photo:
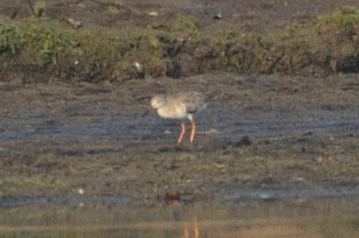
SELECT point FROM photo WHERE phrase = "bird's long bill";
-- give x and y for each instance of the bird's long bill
(147, 111)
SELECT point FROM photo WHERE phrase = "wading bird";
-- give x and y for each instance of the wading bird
(182, 105)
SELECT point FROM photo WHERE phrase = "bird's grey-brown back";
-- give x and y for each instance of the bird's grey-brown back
(193, 101)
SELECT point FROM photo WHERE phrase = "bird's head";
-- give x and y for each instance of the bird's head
(158, 101)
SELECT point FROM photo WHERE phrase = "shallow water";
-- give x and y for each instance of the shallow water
(225, 124)
(289, 218)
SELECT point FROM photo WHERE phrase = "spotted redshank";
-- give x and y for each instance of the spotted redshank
(182, 105)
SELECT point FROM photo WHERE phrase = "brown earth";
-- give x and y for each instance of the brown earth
(258, 15)
(261, 131)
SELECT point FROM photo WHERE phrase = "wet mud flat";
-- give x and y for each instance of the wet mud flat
(275, 156)
(262, 132)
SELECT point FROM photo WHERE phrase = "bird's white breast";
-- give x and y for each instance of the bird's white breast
(175, 111)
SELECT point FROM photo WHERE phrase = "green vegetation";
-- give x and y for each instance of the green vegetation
(178, 48)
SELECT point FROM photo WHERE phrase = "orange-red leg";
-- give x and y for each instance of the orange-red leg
(193, 131)
(186, 232)
(196, 230)
(183, 131)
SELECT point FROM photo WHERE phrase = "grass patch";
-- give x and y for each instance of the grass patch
(177, 47)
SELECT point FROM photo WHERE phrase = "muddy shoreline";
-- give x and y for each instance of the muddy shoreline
(71, 127)
(261, 132)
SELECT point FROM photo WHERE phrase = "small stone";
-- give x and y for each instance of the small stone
(244, 141)
(218, 16)
(264, 196)
(81, 191)
(76, 24)
(153, 14)
(138, 66)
